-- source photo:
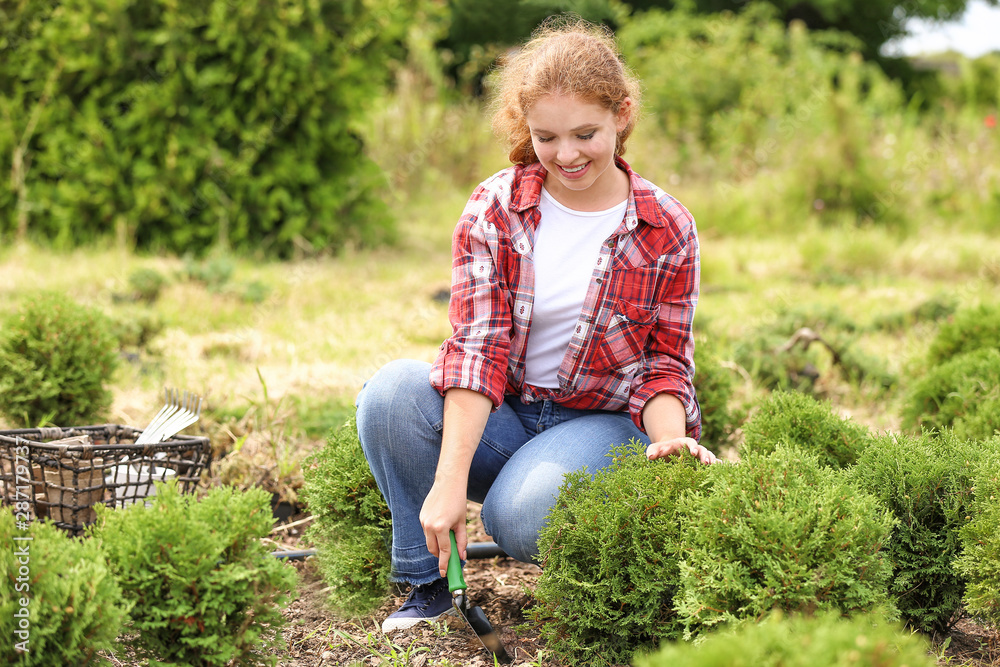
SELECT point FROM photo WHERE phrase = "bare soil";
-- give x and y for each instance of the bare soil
(501, 586)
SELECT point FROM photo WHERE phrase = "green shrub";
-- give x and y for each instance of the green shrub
(255, 292)
(183, 125)
(74, 606)
(798, 346)
(780, 531)
(147, 284)
(931, 310)
(926, 482)
(773, 368)
(820, 640)
(795, 419)
(352, 530)
(214, 272)
(962, 393)
(205, 589)
(979, 561)
(972, 329)
(136, 327)
(983, 422)
(713, 384)
(609, 558)
(55, 358)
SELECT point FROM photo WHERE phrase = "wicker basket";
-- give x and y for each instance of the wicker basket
(63, 472)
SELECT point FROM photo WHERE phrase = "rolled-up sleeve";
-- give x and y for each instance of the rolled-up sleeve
(667, 363)
(476, 355)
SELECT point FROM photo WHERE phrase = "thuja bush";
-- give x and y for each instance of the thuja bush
(820, 640)
(714, 386)
(56, 358)
(609, 558)
(796, 419)
(979, 561)
(926, 482)
(970, 330)
(179, 125)
(780, 530)
(352, 529)
(963, 393)
(205, 590)
(74, 605)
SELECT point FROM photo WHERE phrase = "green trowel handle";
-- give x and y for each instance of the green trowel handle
(455, 579)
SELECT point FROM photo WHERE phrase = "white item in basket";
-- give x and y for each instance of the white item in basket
(135, 483)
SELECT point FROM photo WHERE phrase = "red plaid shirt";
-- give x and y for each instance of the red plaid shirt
(634, 337)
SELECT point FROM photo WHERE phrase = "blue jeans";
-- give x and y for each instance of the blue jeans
(516, 472)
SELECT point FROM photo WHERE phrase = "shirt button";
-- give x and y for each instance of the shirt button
(599, 281)
(611, 244)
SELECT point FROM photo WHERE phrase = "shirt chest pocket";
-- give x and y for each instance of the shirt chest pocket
(625, 336)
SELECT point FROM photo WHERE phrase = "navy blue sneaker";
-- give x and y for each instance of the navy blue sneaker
(429, 602)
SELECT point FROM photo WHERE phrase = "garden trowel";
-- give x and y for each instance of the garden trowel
(475, 618)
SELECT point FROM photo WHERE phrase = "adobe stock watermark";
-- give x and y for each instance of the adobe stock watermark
(787, 127)
(917, 163)
(22, 547)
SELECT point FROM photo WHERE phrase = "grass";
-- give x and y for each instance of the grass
(328, 324)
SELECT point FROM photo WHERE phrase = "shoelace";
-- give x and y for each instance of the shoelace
(421, 596)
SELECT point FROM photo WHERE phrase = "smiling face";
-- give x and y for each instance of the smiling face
(575, 142)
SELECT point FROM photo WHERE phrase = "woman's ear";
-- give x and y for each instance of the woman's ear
(625, 111)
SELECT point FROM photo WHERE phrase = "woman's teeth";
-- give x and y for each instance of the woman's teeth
(573, 170)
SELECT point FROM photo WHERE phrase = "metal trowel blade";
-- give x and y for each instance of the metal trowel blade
(476, 619)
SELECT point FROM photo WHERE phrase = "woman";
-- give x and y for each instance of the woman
(574, 285)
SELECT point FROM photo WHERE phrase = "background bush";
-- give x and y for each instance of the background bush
(735, 89)
(926, 482)
(799, 420)
(963, 393)
(181, 125)
(56, 359)
(76, 607)
(713, 384)
(821, 640)
(805, 348)
(781, 531)
(969, 330)
(609, 558)
(979, 562)
(205, 589)
(352, 530)
(146, 284)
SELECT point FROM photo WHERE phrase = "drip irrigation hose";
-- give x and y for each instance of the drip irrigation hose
(474, 550)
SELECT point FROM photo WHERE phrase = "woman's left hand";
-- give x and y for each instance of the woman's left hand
(673, 447)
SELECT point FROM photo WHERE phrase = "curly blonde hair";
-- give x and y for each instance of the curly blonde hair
(565, 56)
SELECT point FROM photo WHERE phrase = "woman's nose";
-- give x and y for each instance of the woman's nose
(566, 153)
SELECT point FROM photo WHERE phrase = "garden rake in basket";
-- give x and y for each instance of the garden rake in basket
(178, 413)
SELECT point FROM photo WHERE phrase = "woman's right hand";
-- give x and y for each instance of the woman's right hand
(443, 511)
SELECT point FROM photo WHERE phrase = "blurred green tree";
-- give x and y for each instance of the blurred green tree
(504, 22)
(183, 124)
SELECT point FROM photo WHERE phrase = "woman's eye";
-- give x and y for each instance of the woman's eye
(586, 136)
(544, 140)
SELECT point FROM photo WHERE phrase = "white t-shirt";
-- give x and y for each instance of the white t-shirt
(567, 245)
